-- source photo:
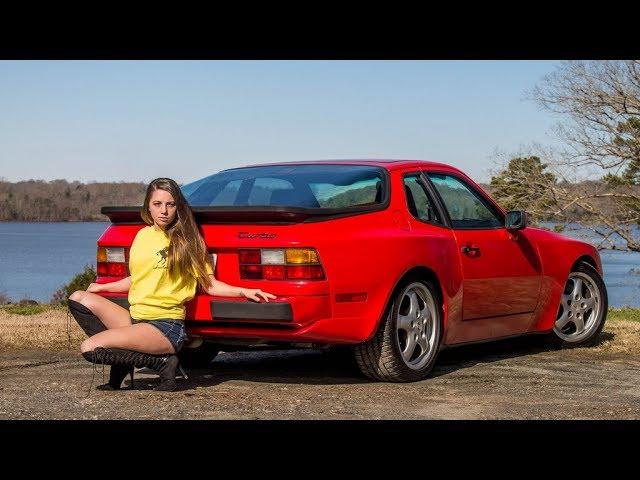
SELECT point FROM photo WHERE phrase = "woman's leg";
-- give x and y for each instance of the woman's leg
(109, 313)
(139, 337)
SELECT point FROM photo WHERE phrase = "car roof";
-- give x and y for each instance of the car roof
(389, 164)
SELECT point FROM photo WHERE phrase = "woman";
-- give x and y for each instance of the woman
(168, 259)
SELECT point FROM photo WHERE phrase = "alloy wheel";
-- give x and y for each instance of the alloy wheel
(580, 308)
(416, 326)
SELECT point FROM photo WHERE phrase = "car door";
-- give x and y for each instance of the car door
(501, 269)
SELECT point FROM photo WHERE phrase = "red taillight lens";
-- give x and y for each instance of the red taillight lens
(280, 264)
(112, 269)
(112, 261)
(304, 272)
(273, 272)
(253, 272)
(101, 270)
(249, 256)
(118, 269)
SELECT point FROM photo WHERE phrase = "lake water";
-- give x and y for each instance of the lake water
(37, 258)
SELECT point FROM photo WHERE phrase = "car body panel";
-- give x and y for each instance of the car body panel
(512, 287)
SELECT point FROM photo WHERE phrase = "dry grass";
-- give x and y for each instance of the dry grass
(621, 336)
(48, 329)
(621, 332)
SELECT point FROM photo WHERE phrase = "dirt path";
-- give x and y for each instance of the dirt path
(515, 379)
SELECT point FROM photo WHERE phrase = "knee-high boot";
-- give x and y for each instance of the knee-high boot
(91, 325)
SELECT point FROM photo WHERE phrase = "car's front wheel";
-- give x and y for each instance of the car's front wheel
(406, 344)
(583, 308)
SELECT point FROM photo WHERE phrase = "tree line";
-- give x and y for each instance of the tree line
(63, 201)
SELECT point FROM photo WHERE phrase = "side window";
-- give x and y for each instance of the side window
(419, 202)
(362, 192)
(466, 208)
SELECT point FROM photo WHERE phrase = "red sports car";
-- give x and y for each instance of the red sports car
(397, 259)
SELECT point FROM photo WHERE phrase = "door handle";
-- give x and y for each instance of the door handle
(471, 249)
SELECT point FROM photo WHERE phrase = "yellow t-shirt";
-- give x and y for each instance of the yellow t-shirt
(153, 293)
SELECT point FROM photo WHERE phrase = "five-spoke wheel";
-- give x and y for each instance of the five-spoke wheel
(407, 342)
(415, 329)
(583, 307)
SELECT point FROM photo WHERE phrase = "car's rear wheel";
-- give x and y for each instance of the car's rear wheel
(583, 308)
(199, 357)
(406, 344)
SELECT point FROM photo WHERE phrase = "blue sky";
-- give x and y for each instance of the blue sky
(137, 120)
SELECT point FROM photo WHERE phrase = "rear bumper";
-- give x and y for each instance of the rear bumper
(222, 310)
(303, 318)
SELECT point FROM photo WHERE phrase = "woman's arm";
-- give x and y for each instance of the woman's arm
(119, 286)
(225, 290)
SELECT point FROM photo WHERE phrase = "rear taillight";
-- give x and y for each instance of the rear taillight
(112, 262)
(280, 264)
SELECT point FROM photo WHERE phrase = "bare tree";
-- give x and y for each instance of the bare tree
(599, 106)
(600, 102)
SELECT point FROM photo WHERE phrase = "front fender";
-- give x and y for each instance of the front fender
(558, 255)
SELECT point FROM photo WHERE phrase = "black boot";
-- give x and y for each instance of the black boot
(165, 364)
(116, 375)
(85, 318)
(119, 356)
(168, 375)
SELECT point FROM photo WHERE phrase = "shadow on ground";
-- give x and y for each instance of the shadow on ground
(337, 366)
(457, 358)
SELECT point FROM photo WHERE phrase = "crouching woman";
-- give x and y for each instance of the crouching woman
(168, 260)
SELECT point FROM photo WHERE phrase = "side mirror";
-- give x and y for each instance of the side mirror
(516, 220)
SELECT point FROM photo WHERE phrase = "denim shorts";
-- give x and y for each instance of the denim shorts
(172, 329)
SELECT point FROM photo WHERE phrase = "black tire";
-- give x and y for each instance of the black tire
(199, 357)
(380, 357)
(554, 341)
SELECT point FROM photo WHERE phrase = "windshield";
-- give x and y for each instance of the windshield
(309, 186)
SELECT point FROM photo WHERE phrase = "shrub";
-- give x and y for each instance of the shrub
(80, 282)
(25, 309)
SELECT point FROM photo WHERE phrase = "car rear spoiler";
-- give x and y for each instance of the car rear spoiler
(251, 214)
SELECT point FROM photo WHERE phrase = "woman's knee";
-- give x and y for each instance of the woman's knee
(85, 298)
(78, 296)
(87, 345)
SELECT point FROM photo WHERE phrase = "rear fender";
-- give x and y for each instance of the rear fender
(398, 261)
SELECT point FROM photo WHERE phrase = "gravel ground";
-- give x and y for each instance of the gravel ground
(515, 379)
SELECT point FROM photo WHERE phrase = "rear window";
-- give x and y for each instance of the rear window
(309, 186)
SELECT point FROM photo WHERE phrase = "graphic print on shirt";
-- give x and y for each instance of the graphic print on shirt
(162, 262)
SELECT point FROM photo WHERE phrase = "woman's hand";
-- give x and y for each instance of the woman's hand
(94, 288)
(255, 294)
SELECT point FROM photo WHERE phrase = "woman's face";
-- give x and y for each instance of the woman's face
(162, 208)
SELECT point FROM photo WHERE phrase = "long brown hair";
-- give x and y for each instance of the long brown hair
(187, 250)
